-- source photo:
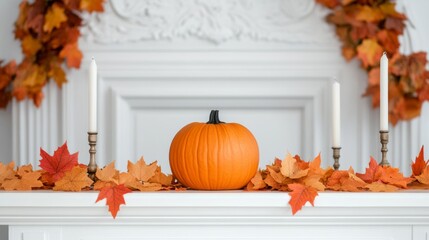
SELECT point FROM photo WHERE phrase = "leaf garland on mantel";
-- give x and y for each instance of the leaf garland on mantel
(303, 180)
(49, 31)
(366, 28)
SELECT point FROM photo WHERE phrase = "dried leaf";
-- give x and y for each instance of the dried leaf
(92, 5)
(161, 178)
(257, 182)
(369, 52)
(141, 171)
(300, 195)
(59, 163)
(74, 180)
(418, 166)
(72, 54)
(114, 196)
(424, 176)
(381, 187)
(373, 172)
(24, 180)
(291, 169)
(54, 17)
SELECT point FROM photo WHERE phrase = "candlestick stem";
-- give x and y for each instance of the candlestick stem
(92, 165)
(336, 155)
(384, 139)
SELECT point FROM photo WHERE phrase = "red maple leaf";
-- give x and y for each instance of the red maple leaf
(420, 164)
(59, 163)
(300, 195)
(372, 172)
(114, 195)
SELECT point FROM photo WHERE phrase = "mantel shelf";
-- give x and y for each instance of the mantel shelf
(47, 207)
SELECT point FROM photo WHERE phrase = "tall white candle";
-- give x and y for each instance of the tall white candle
(336, 123)
(384, 91)
(92, 96)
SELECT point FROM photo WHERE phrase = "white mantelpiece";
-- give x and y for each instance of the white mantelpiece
(215, 215)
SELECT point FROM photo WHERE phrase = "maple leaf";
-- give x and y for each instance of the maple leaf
(257, 182)
(270, 181)
(329, 3)
(420, 164)
(141, 171)
(389, 40)
(58, 74)
(59, 163)
(291, 169)
(108, 173)
(300, 195)
(24, 180)
(114, 196)
(72, 54)
(395, 24)
(314, 181)
(345, 181)
(424, 176)
(394, 177)
(146, 186)
(388, 8)
(30, 46)
(74, 180)
(381, 187)
(92, 5)
(6, 171)
(372, 173)
(161, 178)
(54, 17)
(368, 14)
(369, 52)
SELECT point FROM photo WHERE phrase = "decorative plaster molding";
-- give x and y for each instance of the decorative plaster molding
(217, 22)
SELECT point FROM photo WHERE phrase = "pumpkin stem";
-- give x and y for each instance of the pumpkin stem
(214, 117)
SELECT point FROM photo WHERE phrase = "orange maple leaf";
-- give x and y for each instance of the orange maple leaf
(256, 183)
(424, 176)
(141, 171)
(291, 169)
(24, 180)
(6, 171)
(114, 196)
(74, 180)
(300, 195)
(381, 187)
(372, 174)
(394, 177)
(369, 52)
(72, 54)
(92, 5)
(54, 17)
(59, 163)
(161, 178)
(420, 164)
(30, 46)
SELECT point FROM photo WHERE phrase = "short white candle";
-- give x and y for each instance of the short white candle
(336, 123)
(92, 96)
(384, 91)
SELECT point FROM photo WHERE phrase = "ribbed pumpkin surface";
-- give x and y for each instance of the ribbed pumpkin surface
(214, 156)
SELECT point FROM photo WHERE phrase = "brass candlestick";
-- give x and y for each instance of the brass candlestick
(92, 165)
(384, 139)
(336, 155)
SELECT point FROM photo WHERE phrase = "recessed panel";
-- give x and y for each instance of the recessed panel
(277, 130)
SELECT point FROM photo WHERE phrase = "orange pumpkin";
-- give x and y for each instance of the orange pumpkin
(214, 155)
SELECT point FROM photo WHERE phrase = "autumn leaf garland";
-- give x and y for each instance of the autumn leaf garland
(49, 31)
(366, 29)
(303, 180)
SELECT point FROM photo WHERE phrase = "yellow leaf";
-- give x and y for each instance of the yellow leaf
(30, 45)
(369, 52)
(291, 169)
(54, 17)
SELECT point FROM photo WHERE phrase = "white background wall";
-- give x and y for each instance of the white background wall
(144, 56)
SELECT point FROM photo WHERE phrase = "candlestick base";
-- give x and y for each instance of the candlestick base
(336, 155)
(92, 165)
(384, 139)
